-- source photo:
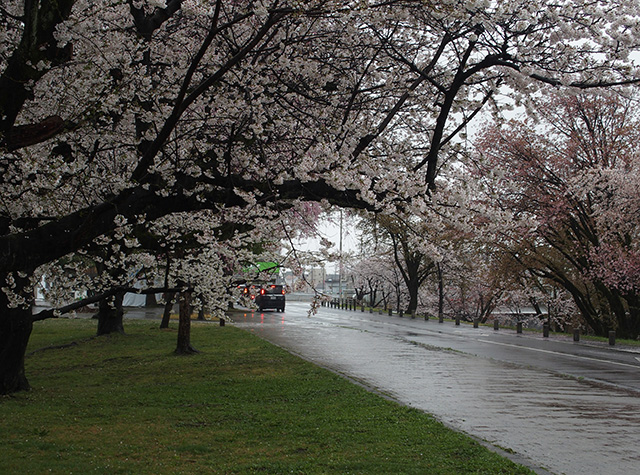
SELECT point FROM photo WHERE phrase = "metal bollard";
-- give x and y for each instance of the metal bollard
(496, 324)
(476, 322)
(362, 308)
(519, 327)
(390, 312)
(457, 321)
(612, 337)
(400, 313)
(222, 322)
(576, 334)
(545, 330)
(440, 319)
(426, 318)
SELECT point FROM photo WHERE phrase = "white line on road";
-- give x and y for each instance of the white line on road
(563, 354)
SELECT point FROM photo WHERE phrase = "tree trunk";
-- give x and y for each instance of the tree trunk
(202, 310)
(110, 315)
(150, 300)
(168, 306)
(413, 285)
(413, 300)
(440, 292)
(184, 326)
(15, 329)
(632, 322)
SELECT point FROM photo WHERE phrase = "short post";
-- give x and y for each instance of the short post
(370, 309)
(390, 312)
(222, 322)
(545, 330)
(363, 308)
(496, 324)
(612, 337)
(441, 319)
(426, 317)
(576, 334)
(519, 327)
(457, 321)
(476, 322)
(400, 313)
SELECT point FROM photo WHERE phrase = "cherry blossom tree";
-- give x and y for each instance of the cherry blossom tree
(409, 245)
(473, 283)
(372, 278)
(130, 111)
(570, 182)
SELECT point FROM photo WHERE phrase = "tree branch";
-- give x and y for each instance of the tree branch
(148, 24)
(53, 312)
(37, 44)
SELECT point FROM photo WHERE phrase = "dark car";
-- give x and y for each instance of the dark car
(271, 296)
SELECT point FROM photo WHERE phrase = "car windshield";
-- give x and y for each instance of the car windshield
(273, 289)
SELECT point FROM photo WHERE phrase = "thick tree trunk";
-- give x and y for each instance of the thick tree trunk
(184, 326)
(150, 300)
(15, 329)
(413, 286)
(166, 316)
(627, 316)
(413, 301)
(110, 315)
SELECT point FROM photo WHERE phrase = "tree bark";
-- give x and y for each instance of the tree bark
(110, 315)
(150, 300)
(15, 328)
(184, 326)
(440, 292)
(166, 315)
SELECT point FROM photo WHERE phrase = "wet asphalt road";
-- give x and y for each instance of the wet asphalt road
(571, 408)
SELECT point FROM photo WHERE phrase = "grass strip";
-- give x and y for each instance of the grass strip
(126, 404)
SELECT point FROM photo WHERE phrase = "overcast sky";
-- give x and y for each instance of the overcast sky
(329, 228)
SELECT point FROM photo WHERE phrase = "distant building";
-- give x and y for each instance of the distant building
(334, 287)
(317, 280)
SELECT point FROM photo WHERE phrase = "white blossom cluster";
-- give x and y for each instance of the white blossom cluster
(241, 111)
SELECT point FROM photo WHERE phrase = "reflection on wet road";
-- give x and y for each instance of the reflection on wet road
(566, 407)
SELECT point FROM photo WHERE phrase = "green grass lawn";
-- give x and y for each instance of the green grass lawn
(126, 404)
